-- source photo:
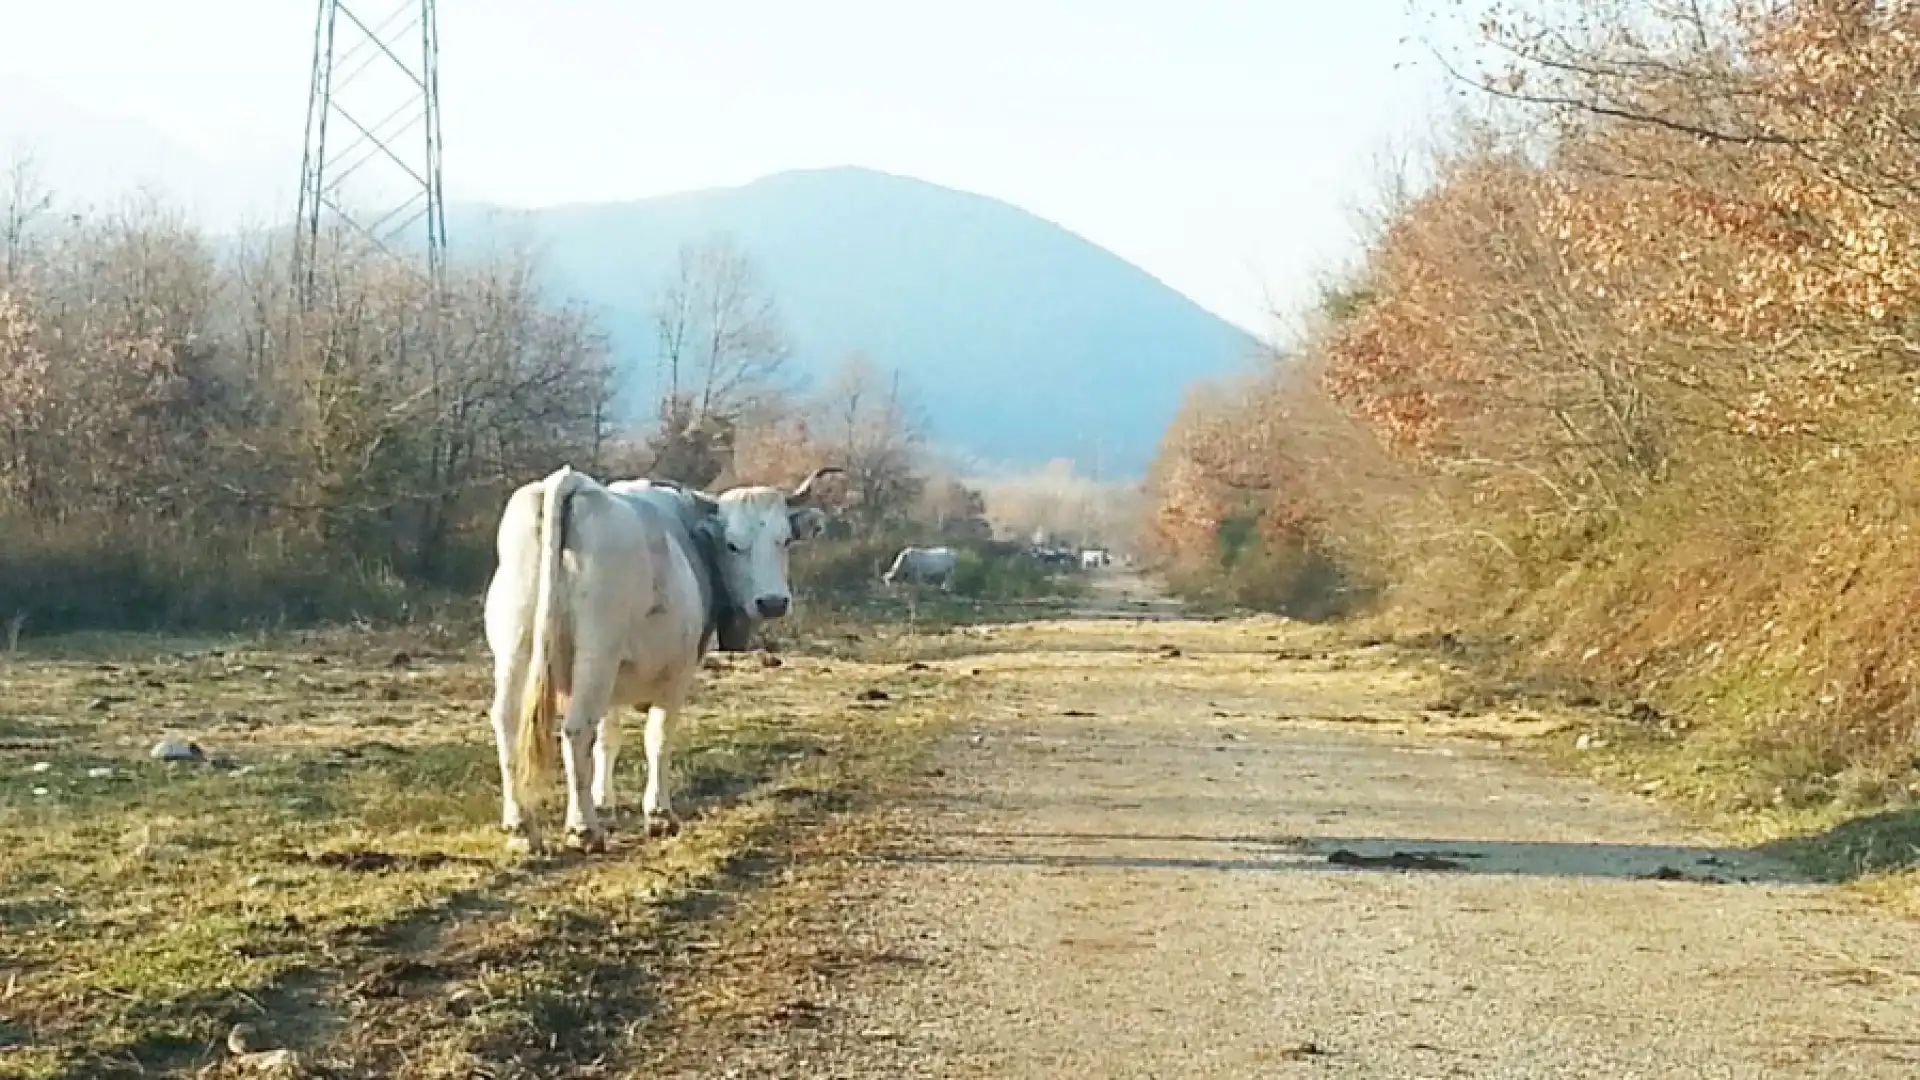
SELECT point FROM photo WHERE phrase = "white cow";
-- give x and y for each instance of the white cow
(609, 595)
(918, 564)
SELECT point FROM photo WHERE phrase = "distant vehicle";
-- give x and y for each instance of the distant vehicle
(1094, 558)
(1050, 556)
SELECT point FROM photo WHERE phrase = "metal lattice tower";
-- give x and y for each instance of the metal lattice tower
(373, 119)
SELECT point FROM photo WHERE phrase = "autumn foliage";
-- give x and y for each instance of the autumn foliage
(182, 443)
(1633, 381)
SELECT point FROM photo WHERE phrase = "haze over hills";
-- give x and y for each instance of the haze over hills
(1021, 341)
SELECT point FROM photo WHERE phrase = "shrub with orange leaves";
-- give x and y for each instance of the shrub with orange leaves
(1634, 380)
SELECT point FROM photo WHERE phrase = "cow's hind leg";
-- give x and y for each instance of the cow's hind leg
(656, 803)
(593, 681)
(509, 682)
(606, 752)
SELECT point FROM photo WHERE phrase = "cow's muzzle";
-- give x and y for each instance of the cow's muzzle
(772, 607)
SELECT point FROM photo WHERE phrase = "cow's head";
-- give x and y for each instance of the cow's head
(748, 530)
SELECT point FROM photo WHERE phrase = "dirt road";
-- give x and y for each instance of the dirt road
(1179, 849)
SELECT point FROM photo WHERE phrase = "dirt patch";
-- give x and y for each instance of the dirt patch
(1399, 860)
(365, 862)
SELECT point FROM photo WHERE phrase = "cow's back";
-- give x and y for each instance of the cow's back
(633, 584)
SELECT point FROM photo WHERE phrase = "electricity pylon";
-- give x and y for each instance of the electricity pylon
(373, 117)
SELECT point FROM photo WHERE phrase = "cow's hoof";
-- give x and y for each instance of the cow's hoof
(590, 841)
(522, 842)
(662, 825)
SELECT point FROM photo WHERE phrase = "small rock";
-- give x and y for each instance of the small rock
(177, 750)
(1302, 1051)
(100, 772)
(768, 660)
(872, 694)
(270, 1060)
(43, 766)
(41, 792)
(100, 704)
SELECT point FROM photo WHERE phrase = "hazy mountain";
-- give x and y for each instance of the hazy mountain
(1022, 341)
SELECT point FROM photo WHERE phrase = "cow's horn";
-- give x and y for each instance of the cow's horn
(804, 493)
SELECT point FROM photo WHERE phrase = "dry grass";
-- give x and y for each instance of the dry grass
(334, 876)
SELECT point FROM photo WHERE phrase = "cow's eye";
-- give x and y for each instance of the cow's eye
(736, 548)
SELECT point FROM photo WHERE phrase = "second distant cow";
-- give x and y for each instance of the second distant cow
(919, 566)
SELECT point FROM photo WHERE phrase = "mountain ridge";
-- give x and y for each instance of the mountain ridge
(1024, 341)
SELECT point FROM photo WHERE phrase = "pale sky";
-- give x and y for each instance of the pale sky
(1219, 144)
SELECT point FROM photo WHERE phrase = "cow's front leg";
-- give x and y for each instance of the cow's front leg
(606, 752)
(592, 694)
(656, 803)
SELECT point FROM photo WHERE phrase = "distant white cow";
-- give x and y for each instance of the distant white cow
(609, 595)
(918, 564)
(1093, 559)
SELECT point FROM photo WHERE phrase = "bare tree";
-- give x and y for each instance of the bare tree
(26, 199)
(722, 350)
(722, 344)
(876, 432)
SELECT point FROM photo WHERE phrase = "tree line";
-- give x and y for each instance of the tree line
(182, 442)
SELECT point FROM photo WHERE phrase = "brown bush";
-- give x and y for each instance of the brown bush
(1634, 386)
(180, 445)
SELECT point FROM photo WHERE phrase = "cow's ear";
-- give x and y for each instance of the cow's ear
(807, 522)
(705, 517)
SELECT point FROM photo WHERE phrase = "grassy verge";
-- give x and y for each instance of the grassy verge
(332, 875)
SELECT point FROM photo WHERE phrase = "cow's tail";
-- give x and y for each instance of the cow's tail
(536, 747)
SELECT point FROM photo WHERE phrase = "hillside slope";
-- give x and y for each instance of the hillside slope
(1022, 341)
